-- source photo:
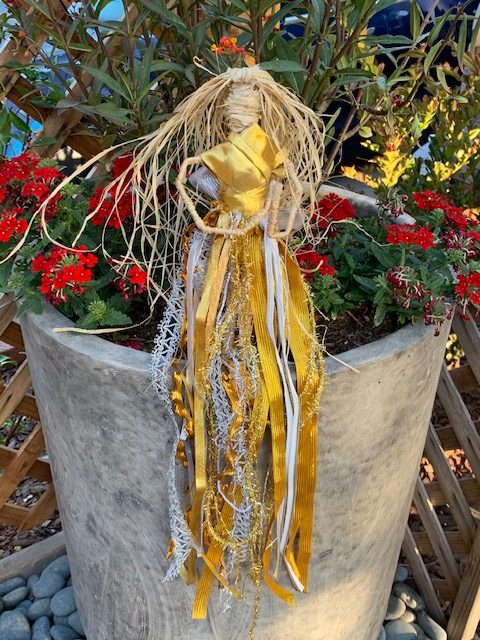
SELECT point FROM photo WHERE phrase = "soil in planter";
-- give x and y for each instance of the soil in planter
(351, 329)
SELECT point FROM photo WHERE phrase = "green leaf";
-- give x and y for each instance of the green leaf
(169, 17)
(108, 111)
(430, 57)
(438, 25)
(166, 65)
(462, 41)
(108, 81)
(317, 13)
(44, 142)
(416, 17)
(367, 283)
(115, 318)
(380, 313)
(281, 65)
(442, 79)
(381, 255)
(275, 18)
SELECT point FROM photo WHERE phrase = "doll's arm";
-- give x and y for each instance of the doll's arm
(297, 198)
(205, 228)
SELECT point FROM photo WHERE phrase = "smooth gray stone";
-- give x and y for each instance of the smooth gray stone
(420, 632)
(408, 616)
(39, 609)
(75, 622)
(11, 599)
(41, 629)
(401, 574)
(61, 565)
(14, 626)
(382, 635)
(431, 628)
(395, 608)
(411, 598)
(61, 620)
(32, 580)
(63, 602)
(400, 630)
(48, 585)
(24, 606)
(11, 584)
(2, 606)
(69, 582)
(62, 632)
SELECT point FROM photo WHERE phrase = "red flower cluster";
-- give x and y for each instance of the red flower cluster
(11, 223)
(313, 263)
(460, 240)
(429, 200)
(64, 272)
(112, 206)
(26, 185)
(332, 208)
(136, 277)
(456, 216)
(410, 234)
(468, 287)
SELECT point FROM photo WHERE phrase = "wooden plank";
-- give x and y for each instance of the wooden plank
(469, 337)
(8, 310)
(454, 538)
(14, 392)
(444, 590)
(11, 514)
(464, 378)
(434, 529)
(460, 419)
(469, 487)
(32, 559)
(20, 465)
(42, 510)
(466, 609)
(421, 577)
(450, 486)
(13, 335)
(27, 405)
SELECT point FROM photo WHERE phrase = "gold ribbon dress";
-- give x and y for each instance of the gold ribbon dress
(247, 378)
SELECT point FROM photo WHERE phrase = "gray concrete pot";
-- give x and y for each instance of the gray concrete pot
(109, 443)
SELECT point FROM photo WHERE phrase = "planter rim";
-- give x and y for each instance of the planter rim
(118, 356)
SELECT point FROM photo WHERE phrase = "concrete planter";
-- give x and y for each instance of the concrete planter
(109, 443)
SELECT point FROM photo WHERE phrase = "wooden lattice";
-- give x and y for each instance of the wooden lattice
(456, 551)
(17, 464)
(455, 548)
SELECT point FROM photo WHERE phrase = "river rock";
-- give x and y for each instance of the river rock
(395, 609)
(431, 628)
(41, 629)
(39, 609)
(400, 630)
(63, 602)
(14, 626)
(60, 565)
(24, 606)
(401, 574)
(12, 598)
(409, 596)
(382, 635)
(61, 620)
(9, 585)
(408, 616)
(48, 585)
(420, 632)
(33, 579)
(62, 632)
(75, 622)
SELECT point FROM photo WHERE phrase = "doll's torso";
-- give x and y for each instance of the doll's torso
(244, 166)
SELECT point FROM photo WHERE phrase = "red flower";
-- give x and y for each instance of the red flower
(429, 200)
(456, 216)
(121, 164)
(137, 276)
(10, 224)
(410, 234)
(63, 273)
(311, 261)
(46, 173)
(36, 189)
(3, 194)
(110, 208)
(332, 208)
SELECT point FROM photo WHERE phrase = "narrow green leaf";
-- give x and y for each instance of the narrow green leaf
(462, 41)
(318, 11)
(442, 79)
(430, 57)
(281, 65)
(415, 19)
(274, 19)
(169, 17)
(108, 81)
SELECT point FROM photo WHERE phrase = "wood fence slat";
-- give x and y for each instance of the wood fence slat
(466, 609)
(469, 487)
(421, 577)
(40, 511)
(40, 470)
(23, 461)
(460, 419)
(434, 529)
(14, 392)
(455, 541)
(464, 378)
(469, 337)
(13, 336)
(8, 310)
(450, 486)
(11, 514)
(27, 405)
